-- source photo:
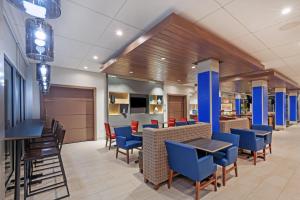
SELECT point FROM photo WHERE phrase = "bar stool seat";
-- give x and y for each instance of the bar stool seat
(36, 154)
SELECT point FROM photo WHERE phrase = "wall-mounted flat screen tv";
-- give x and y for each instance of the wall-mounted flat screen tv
(138, 102)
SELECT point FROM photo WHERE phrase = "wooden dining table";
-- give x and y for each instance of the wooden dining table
(27, 129)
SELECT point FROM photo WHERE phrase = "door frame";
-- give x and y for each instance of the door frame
(185, 103)
(75, 87)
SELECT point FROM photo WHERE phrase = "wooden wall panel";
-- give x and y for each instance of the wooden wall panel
(176, 106)
(74, 109)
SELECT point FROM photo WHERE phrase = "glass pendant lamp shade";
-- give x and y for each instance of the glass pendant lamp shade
(39, 40)
(43, 72)
(46, 9)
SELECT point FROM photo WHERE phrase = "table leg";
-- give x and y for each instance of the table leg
(18, 169)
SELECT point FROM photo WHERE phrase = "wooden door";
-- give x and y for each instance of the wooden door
(74, 109)
(176, 106)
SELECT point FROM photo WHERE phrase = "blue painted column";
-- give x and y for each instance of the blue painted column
(208, 93)
(260, 102)
(280, 108)
(238, 110)
(293, 107)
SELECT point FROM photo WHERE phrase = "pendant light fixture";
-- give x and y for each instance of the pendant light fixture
(45, 9)
(43, 72)
(39, 40)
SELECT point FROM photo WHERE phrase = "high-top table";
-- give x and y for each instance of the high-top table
(28, 129)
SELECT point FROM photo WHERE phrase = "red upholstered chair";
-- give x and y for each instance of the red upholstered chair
(134, 126)
(154, 121)
(183, 119)
(109, 135)
(195, 118)
(171, 122)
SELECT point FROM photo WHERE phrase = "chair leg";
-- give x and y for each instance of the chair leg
(197, 188)
(215, 182)
(264, 153)
(131, 151)
(254, 157)
(106, 142)
(109, 144)
(64, 174)
(117, 151)
(270, 148)
(236, 169)
(170, 180)
(127, 155)
(25, 179)
(223, 175)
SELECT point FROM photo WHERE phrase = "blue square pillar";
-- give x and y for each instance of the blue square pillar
(208, 93)
(280, 108)
(293, 108)
(238, 104)
(260, 102)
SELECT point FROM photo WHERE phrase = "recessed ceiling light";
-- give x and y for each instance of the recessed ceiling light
(178, 80)
(85, 67)
(163, 58)
(95, 57)
(130, 72)
(119, 32)
(286, 10)
(193, 67)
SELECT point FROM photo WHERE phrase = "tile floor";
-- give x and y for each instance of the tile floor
(94, 174)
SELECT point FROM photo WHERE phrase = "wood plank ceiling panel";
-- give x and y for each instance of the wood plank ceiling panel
(181, 43)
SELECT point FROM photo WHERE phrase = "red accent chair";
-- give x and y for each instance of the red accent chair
(134, 126)
(109, 135)
(183, 119)
(195, 118)
(154, 121)
(171, 122)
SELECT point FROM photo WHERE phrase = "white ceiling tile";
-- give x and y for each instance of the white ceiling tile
(100, 52)
(288, 71)
(224, 2)
(224, 25)
(111, 41)
(293, 61)
(274, 64)
(79, 23)
(109, 8)
(70, 48)
(280, 34)
(143, 14)
(91, 66)
(62, 61)
(287, 50)
(257, 14)
(248, 43)
(265, 55)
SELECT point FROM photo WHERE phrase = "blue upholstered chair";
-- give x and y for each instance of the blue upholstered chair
(181, 123)
(267, 138)
(191, 122)
(249, 141)
(150, 126)
(184, 160)
(125, 140)
(227, 156)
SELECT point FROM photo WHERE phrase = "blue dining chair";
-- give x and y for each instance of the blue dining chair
(125, 140)
(267, 138)
(150, 126)
(227, 156)
(183, 159)
(181, 123)
(249, 141)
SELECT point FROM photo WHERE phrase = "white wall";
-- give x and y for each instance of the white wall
(176, 89)
(69, 77)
